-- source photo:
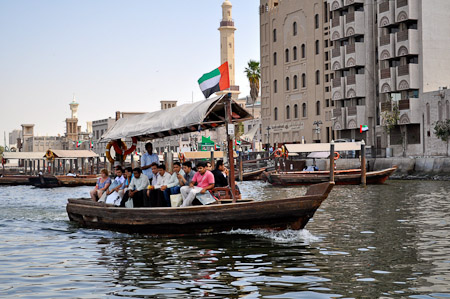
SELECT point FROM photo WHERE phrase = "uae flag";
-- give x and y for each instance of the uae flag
(363, 128)
(79, 143)
(215, 81)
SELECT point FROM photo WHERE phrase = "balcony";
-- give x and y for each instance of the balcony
(338, 88)
(410, 111)
(337, 58)
(355, 55)
(335, 4)
(354, 23)
(355, 86)
(385, 107)
(386, 13)
(351, 2)
(406, 10)
(337, 28)
(386, 49)
(408, 77)
(356, 116)
(339, 119)
(227, 23)
(387, 80)
(407, 43)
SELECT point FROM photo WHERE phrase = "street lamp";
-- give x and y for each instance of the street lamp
(317, 123)
(268, 137)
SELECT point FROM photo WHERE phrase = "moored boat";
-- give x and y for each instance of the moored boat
(274, 214)
(341, 177)
(50, 181)
(15, 180)
(253, 175)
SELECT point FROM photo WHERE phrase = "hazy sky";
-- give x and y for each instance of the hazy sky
(114, 55)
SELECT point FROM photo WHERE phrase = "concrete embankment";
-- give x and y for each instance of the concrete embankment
(431, 168)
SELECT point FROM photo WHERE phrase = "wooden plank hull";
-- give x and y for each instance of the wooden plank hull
(14, 180)
(62, 181)
(351, 177)
(253, 175)
(279, 214)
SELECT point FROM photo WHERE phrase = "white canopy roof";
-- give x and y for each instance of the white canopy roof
(23, 155)
(323, 147)
(207, 114)
(250, 134)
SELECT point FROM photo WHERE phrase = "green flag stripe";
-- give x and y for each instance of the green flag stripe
(208, 76)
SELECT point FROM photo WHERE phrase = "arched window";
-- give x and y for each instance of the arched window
(275, 87)
(317, 47)
(318, 108)
(304, 112)
(275, 113)
(274, 35)
(303, 51)
(295, 82)
(294, 28)
(316, 21)
(428, 114)
(294, 50)
(288, 112)
(317, 77)
(439, 111)
(275, 58)
(287, 55)
(295, 111)
(303, 80)
(287, 83)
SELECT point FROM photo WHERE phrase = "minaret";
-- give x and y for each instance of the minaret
(72, 122)
(74, 107)
(227, 44)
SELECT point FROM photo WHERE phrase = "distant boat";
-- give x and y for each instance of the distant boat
(341, 177)
(14, 180)
(51, 181)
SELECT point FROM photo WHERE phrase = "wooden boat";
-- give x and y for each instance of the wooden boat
(14, 180)
(341, 177)
(253, 175)
(50, 181)
(275, 214)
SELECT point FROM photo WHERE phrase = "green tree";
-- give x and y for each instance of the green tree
(442, 130)
(2, 149)
(253, 75)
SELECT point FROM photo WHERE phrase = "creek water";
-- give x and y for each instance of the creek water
(388, 241)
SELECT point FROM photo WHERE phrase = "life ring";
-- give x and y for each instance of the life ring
(118, 149)
(114, 144)
(49, 155)
(132, 148)
(336, 156)
(107, 153)
(278, 153)
(181, 157)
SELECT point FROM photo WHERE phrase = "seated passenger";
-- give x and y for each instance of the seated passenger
(220, 175)
(209, 166)
(70, 173)
(137, 189)
(102, 185)
(128, 177)
(204, 181)
(155, 194)
(174, 184)
(189, 173)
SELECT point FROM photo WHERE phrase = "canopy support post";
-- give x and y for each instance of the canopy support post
(228, 121)
(363, 163)
(332, 161)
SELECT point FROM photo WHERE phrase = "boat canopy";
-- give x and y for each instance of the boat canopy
(202, 115)
(323, 147)
(23, 155)
(72, 154)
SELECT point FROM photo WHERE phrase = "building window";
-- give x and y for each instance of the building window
(317, 47)
(295, 82)
(428, 114)
(439, 111)
(287, 55)
(317, 77)
(287, 83)
(275, 58)
(316, 21)
(304, 112)
(288, 112)
(275, 87)
(274, 35)
(304, 80)
(318, 108)
(275, 113)
(303, 51)
(294, 50)
(295, 111)
(294, 28)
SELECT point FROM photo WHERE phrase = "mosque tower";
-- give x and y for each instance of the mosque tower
(72, 122)
(227, 45)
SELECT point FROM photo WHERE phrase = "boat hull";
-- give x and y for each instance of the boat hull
(351, 177)
(278, 214)
(62, 181)
(14, 180)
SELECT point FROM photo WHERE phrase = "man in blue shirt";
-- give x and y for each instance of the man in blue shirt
(148, 159)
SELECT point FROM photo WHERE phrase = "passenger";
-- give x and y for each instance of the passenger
(137, 188)
(70, 173)
(174, 185)
(128, 177)
(155, 194)
(220, 175)
(186, 179)
(154, 178)
(102, 185)
(148, 159)
(204, 180)
(117, 185)
(209, 166)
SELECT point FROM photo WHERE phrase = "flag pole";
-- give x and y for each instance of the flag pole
(228, 121)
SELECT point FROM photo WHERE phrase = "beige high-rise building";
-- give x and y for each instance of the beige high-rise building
(295, 71)
(227, 30)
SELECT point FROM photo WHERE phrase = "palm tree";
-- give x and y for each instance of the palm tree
(254, 75)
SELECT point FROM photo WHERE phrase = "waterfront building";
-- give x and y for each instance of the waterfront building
(99, 127)
(14, 137)
(295, 71)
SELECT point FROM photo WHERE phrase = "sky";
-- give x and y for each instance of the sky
(114, 55)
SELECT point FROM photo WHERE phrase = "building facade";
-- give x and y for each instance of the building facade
(295, 71)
